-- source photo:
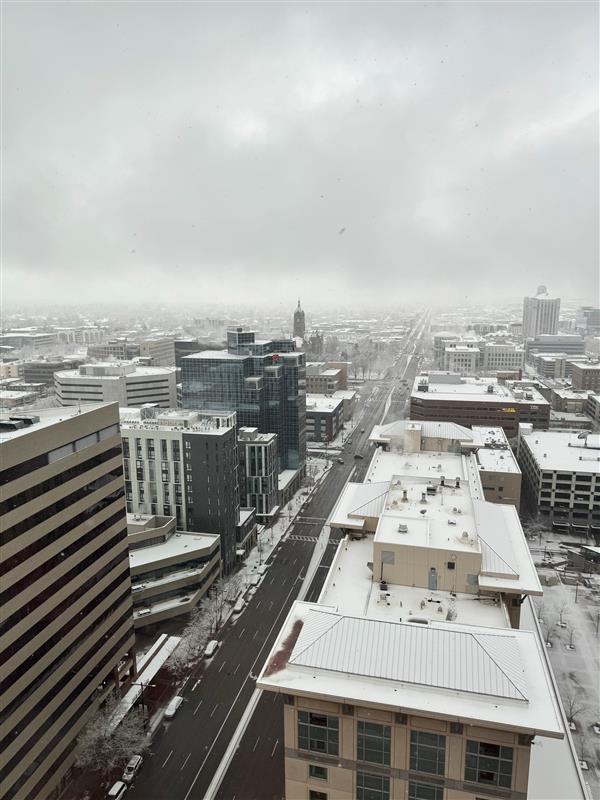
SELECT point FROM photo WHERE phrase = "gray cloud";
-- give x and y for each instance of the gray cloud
(215, 151)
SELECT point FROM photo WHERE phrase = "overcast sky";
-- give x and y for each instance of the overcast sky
(380, 152)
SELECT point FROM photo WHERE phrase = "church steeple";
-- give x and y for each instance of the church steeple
(299, 322)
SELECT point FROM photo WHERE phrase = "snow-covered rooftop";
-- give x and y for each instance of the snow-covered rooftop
(473, 389)
(322, 403)
(188, 545)
(562, 451)
(482, 675)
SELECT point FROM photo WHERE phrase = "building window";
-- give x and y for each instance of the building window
(488, 763)
(373, 742)
(314, 795)
(424, 791)
(427, 752)
(315, 771)
(318, 732)
(372, 787)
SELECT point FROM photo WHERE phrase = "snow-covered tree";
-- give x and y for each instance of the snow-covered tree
(102, 746)
(194, 639)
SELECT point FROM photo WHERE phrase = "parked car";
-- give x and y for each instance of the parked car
(171, 709)
(340, 460)
(211, 648)
(117, 790)
(239, 606)
(362, 430)
(358, 455)
(132, 768)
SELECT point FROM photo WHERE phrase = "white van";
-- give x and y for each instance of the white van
(171, 709)
(255, 580)
(211, 648)
(117, 790)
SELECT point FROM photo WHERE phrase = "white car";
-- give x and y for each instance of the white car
(116, 791)
(132, 768)
(211, 648)
(171, 709)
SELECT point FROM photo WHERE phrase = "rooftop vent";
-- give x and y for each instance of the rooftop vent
(423, 497)
(404, 495)
(457, 483)
(402, 527)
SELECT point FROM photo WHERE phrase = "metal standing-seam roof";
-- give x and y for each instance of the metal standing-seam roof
(441, 657)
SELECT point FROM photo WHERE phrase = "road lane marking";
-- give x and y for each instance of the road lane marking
(184, 683)
(185, 762)
(241, 633)
(256, 744)
(214, 709)
(166, 759)
(257, 605)
(200, 703)
(275, 747)
(236, 669)
(196, 684)
(255, 632)
(270, 605)
(236, 698)
(221, 667)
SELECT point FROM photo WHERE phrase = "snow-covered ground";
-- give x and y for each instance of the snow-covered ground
(565, 622)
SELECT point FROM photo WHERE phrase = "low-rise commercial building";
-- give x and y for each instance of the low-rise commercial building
(42, 370)
(324, 417)
(161, 351)
(592, 407)
(126, 383)
(411, 677)
(586, 376)
(114, 350)
(440, 396)
(171, 570)
(320, 379)
(561, 477)
(348, 398)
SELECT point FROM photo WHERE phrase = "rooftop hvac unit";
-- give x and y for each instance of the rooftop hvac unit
(402, 527)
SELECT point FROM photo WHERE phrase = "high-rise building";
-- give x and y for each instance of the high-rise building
(126, 383)
(420, 673)
(67, 629)
(184, 464)
(540, 314)
(299, 322)
(264, 382)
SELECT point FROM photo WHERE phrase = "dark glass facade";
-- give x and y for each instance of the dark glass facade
(263, 382)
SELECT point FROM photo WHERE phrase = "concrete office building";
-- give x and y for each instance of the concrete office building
(448, 397)
(561, 477)
(462, 358)
(11, 369)
(320, 379)
(127, 383)
(262, 381)
(592, 407)
(571, 344)
(114, 350)
(184, 464)
(30, 337)
(171, 571)
(67, 631)
(586, 376)
(500, 357)
(415, 676)
(42, 370)
(259, 479)
(324, 417)
(540, 314)
(161, 351)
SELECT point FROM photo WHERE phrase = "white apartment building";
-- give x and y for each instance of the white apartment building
(420, 674)
(561, 477)
(462, 358)
(126, 383)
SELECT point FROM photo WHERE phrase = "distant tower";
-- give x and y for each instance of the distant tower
(540, 314)
(299, 322)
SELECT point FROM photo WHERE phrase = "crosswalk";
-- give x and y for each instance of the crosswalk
(296, 537)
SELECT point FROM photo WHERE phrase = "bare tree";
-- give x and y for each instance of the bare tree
(103, 745)
(548, 629)
(232, 586)
(194, 638)
(562, 611)
(572, 706)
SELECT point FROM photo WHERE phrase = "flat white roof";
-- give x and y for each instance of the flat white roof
(322, 403)
(47, 417)
(190, 545)
(493, 459)
(486, 676)
(562, 451)
(476, 390)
